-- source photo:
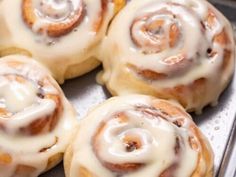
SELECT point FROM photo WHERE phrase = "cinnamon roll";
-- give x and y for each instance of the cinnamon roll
(36, 121)
(172, 49)
(138, 136)
(64, 35)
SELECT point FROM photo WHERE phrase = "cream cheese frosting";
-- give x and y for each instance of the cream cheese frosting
(27, 101)
(157, 47)
(134, 136)
(59, 34)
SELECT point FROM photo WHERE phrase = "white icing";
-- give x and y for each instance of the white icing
(25, 149)
(24, 118)
(17, 96)
(157, 136)
(119, 50)
(56, 53)
(55, 10)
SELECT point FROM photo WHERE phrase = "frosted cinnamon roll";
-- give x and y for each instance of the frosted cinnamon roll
(36, 121)
(138, 136)
(62, 34)
(171, 49)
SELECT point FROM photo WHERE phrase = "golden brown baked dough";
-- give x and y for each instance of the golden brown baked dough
(36, 121)
(138, 136)
(171, 49)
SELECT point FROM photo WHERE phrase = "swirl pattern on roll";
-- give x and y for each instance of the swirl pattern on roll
(138, 136)
(56, 18)
(170, 49)
(35, 118)
(62, 34)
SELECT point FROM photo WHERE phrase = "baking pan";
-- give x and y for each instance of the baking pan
(217, 123)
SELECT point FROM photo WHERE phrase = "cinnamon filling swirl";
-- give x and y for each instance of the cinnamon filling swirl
(126, 138)
(157, 31)
(165, 29)
(130, 136)
(54, 17)
(171, 50)
(21, 94)
(34, 118)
